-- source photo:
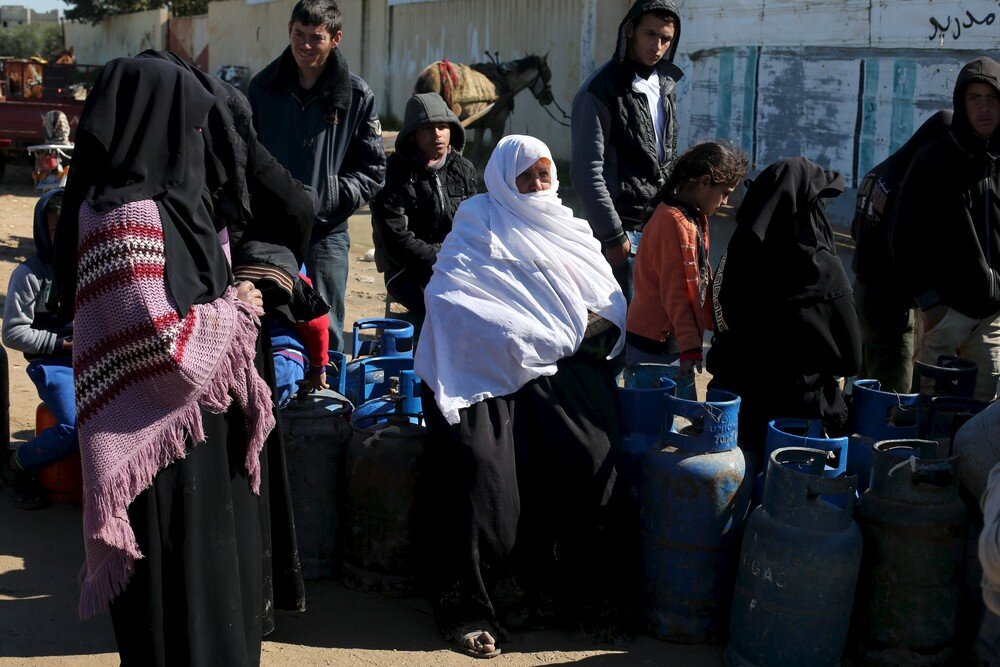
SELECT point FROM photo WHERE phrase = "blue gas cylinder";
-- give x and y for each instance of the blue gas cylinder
(877, 415)
(798, 567)
(951, 376)
(403, 398)
(914, 528)
(792, 432)
(693, 498)
(374, 361)
(644, 418)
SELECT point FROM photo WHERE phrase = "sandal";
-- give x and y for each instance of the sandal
(478, 644)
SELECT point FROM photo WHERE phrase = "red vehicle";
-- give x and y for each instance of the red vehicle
(28, 90)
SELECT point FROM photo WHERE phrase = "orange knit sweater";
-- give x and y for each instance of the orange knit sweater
(665, 281)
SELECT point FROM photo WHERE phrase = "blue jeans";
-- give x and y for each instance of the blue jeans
(326, 264)
(623, 273)
(54, 380)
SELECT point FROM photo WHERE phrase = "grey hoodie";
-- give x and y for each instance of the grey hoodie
(27, 325)
(615, 166)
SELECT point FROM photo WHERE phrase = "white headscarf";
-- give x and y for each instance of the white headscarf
(511, 289)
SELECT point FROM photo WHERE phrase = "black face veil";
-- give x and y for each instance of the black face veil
(140, 137)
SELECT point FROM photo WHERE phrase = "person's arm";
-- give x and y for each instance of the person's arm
(23, 292)
(362, 173)
(316, 339)
(400, 244)
(590, 127)
(678, 264)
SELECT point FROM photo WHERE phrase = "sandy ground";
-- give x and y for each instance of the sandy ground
(41, 551)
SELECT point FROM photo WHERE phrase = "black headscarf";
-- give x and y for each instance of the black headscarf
(785, 321)
(253, 195)
(785, 208)
(140, 137)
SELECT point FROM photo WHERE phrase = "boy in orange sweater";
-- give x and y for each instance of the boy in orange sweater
(672, 305)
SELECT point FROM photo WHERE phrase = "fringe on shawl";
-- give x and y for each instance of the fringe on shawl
(236, 378)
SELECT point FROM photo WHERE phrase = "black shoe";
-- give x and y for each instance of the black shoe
(20, 487)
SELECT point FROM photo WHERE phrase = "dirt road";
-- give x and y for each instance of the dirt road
(41, 552)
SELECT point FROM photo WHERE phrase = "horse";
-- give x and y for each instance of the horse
(482, 94)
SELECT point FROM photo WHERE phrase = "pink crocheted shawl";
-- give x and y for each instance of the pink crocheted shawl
(143, 375)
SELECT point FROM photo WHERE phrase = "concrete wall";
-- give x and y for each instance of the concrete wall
(252, 35)
(117, 36)
(577, 34)
(774, 78)
(187, 36)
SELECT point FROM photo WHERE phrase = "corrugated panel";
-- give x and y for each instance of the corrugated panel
(711, 25)
(815, 23)
(807, 106)
(936, 24)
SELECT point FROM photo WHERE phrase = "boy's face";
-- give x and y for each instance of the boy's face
(433, 139)
(982, 107)
(312, 45)
(649, 39)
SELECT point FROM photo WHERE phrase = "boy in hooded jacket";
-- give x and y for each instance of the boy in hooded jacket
(29, 327)
(426, 179)
(946, 230)
(624, 128)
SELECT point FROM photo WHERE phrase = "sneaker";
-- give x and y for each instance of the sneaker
(20, 487)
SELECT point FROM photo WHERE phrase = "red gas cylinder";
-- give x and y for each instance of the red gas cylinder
(63, 480)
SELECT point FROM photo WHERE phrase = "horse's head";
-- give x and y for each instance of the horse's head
(540, 87)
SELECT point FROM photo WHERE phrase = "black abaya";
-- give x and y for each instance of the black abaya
(195, 598)
(520, 482)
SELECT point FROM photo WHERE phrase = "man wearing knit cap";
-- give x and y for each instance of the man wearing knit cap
(625, 131)
(426, 179)
(946, 230)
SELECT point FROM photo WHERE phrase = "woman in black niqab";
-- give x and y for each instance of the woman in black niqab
(786, 327)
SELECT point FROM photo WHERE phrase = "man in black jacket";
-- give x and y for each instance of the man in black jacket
(625, 131)
(885, 310)
(426, 179)
(321, 123)
(946, 229)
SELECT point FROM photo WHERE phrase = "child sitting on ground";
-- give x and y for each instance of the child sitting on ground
(30, 328)
(425, 181)
(672, 304)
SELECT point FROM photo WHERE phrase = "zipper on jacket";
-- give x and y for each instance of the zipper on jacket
(988, 236)
(440, 196)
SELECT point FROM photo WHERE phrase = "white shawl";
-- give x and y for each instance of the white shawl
(511, 288)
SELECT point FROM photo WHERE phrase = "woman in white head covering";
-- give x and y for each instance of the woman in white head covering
(523, 313)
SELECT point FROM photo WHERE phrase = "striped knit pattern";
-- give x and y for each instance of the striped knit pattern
(143, 376)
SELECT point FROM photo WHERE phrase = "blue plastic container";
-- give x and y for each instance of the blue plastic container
(798, 567)
(808, 433)
(878, 415)
(693, 499)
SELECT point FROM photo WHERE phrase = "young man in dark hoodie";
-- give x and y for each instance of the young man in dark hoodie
(625, 131)
(426, 179)
(29, 327)
(885, 311)
(320, 122)
(946, 230)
